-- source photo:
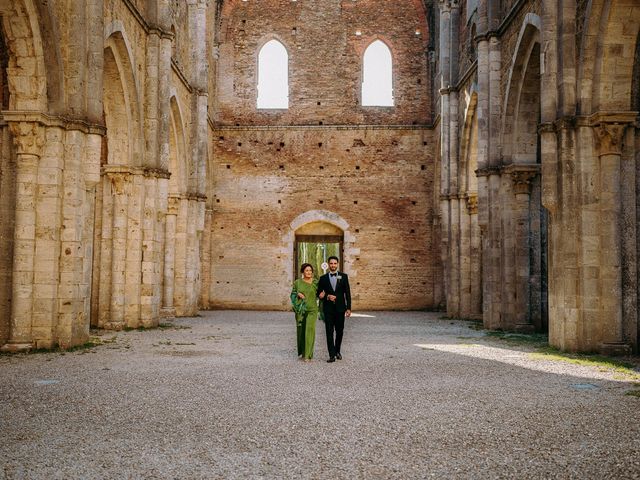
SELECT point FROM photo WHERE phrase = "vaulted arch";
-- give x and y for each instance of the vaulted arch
(122, 104)
(606, 56)
(523, 97)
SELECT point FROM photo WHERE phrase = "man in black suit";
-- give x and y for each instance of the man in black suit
(334, 291)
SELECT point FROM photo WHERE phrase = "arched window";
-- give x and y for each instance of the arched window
(377, 76)
(273, 76)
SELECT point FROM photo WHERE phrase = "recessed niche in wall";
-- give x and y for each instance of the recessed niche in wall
(320, 123)
(279, 201)
(422, 167)
(413, 202)
(281, 144)
(281, 167)
(228, 166)
(321, 167)
(413, 231)
(319, 144)
(321, 201)
(357, 230)
(221, 138)
(319, 103)
(239, 144)
(357, 167)
(355, 202)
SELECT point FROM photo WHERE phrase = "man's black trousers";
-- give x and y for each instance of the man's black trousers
(334, 322)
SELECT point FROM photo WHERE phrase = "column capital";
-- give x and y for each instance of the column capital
(448, 5)
(522, 176)
(28, 137)
(472, 203)
(609, 138)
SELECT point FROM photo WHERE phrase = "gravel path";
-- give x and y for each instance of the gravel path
(224, 396)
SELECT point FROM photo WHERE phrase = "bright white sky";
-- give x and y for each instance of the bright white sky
(273, 76)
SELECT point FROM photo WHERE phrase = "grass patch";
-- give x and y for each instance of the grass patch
(633, 393)
(624, 370)
(532, 339)
(161, 326)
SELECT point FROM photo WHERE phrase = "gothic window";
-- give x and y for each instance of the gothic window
(377, 76)
(273, 76)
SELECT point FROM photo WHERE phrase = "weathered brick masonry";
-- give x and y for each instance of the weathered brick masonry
(373, 167)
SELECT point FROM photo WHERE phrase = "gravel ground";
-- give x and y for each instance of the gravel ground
(224, 396)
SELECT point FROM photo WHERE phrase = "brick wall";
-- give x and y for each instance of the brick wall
(373, 167)
(324, 60)
(380, 181)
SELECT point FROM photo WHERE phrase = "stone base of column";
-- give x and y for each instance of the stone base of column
(615, 349)
(16, 347)
(524, 328)
(167, 312)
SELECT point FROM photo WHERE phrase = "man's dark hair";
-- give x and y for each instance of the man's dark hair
(304, 266)
(333, 257)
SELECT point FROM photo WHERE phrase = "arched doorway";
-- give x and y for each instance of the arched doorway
(314, 243)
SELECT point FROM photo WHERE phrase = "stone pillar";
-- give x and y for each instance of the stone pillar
(119, 184)
(205, 259)
(609, 139)
(168, 309)
(475, 260)
(28, 138)
(523, 177)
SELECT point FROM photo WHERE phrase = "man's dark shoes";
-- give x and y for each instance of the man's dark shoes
(338, 356)
(331, 360)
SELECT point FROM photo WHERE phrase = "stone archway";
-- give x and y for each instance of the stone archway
(7, 201)
(314, 243)
(116, 292)
(321, 226)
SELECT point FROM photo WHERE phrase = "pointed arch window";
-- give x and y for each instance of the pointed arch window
(273, 76)
(377, 76)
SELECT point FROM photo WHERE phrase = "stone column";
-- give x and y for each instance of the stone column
(475, 259)
(522, 177)
(28, 138)
(609, 138)
(119, 183)
(168, 309)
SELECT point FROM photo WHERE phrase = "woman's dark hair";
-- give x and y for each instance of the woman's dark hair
(304, 266)
(333, 257)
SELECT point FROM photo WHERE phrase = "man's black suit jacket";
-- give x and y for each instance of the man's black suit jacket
(342, 293)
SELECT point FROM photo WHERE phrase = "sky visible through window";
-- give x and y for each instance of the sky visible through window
(377, 71)
(273, 76)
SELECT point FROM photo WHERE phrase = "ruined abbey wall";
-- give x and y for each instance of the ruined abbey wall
(371, 167)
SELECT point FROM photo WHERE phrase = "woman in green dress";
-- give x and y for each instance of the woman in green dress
(305, 305)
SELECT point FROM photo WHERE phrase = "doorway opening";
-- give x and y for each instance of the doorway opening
(314, 244)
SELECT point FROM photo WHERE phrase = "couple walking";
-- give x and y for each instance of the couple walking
(335, 301)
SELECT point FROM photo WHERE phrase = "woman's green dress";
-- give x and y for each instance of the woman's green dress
(306, 321)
